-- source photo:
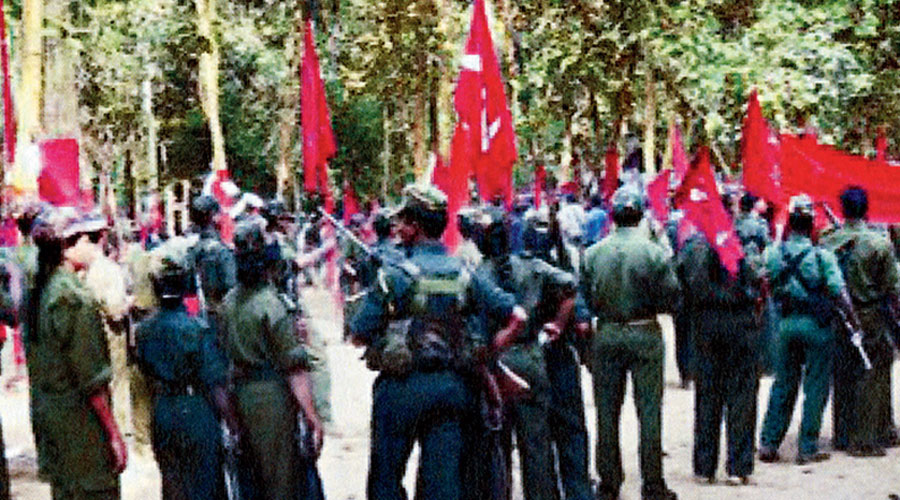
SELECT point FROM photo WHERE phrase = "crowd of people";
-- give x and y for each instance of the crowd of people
(201, 350)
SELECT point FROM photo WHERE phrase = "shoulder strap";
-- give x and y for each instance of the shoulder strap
(792, 268)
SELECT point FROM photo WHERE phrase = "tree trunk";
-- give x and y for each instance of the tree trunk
(650, 125)
(29, 95)
(209, 79)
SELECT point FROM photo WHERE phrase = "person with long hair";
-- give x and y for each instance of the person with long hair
(70, 368)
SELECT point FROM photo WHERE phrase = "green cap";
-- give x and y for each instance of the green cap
(801, 204)
(423, 197)
(627, 196)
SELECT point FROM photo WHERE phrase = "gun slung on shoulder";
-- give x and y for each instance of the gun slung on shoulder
(346, 233)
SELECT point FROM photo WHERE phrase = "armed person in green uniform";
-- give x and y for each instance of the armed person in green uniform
(70, 368)
(547, 294)
(807, 286)
(726, 363)
(628, 280)
(861, 397)
(187, 375)
(415, 324)
(211, 261)
(271, 372)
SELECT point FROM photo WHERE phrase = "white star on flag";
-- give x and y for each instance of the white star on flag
(471, 62)
(698, 195)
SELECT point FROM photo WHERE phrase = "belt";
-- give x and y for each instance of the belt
(163, 389)
(595, 322)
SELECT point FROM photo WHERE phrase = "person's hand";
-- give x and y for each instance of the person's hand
(119, 454)
(583, 329)
(318, 433)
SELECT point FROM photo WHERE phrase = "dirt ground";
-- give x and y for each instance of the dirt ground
(344, 461)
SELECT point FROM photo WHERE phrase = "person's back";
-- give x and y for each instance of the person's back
(862, 408)
(628, 279)
(179, 356)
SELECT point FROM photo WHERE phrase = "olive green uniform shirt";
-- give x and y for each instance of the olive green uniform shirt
(629, 277)
(71, 362)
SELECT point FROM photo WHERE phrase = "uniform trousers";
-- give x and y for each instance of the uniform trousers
(726, 386)
(617, 350)
(428, 407)
(804, 352)
(566, 418)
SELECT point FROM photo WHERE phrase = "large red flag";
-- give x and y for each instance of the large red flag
(611, 177)
(487, 141)
(9, 122)
(318, 138)
(699, 198)
(760, 152)
(680, 161)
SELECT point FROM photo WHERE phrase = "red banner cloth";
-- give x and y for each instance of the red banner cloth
(318, 138)
(59, 182)
(823, 172)
(540, 182)
(487, 141)
(680, 161)
(881, 145)
(699, 198)
(658, 193)
(611, 177)
(760, 154)
(9, 121)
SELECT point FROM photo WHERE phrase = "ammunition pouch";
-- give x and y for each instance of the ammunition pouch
(391, 354)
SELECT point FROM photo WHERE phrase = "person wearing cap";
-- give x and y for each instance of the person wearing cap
(628, 279)
(211, 261)
(270, 373)
(861, 399)
(187, 374)
(547, 295)
(807, 285)
(417, 325)
(70, 367)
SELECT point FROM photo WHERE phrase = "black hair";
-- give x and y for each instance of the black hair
(855, 203)
(801, 223)
(747, 202)
(49, 258)
(382, 226)
(627, 217)
(432, 222)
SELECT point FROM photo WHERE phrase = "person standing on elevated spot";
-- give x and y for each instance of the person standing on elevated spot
(628, 279)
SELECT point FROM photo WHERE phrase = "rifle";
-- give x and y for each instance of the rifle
(346, 233)
(855, 337)
(230, 464)
(830, 214)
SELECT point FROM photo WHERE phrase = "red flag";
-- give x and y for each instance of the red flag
(680, 161)
(318, 138)
(760, 152)
(611, 178)
(487, 142)
(59, 183)
(881, 145)
(9, 122)
(351, 204)
(540, 181)
(699, 197)
(658, 192)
